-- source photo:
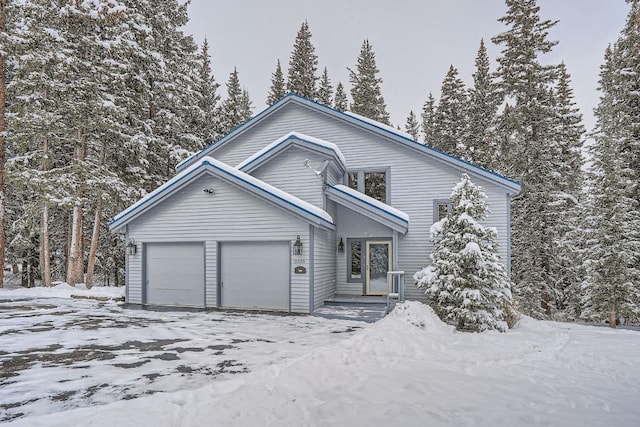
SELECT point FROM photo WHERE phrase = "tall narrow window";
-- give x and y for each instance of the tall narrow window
(353, 180)
(355, 260)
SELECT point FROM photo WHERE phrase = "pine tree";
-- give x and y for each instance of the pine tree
(450, 119)
(236, 108)
(325, 90)
(4, 6)
(277, 89)
(365, 87)
(303, 65)
(466, 284)
(207, 125)
(429, 120)
(612, 284)
(481, 113)
(527, 126)
(412, 127)
(340, 100)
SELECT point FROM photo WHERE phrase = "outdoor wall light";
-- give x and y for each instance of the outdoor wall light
(131, 247)
(208, 190)
(341, 246)
(297, 246)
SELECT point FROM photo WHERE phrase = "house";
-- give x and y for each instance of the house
(298, 204)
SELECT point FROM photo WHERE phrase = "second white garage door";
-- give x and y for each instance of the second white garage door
(255, 275)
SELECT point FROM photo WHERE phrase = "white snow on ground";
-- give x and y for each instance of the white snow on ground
(64, 290)
(409, 369)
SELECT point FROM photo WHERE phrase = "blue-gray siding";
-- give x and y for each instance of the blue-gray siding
(324, 266)
(416, 179)
(230, 214)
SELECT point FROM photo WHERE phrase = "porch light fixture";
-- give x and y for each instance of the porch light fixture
(341, 246)
(297, 246)
(208, 190)
(131, 247)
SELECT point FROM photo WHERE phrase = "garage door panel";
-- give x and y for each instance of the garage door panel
(175, 274)
(255, 275)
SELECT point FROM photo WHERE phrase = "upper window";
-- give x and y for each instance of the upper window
(441, 208)
(371, 183)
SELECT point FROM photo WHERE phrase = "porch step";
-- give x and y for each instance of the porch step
(356, 300)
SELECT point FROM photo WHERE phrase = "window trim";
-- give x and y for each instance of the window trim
(436, 205)
(360, 180)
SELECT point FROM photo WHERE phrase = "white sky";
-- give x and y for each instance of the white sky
(415, 41)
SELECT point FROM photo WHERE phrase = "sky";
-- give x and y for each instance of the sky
(415, 41)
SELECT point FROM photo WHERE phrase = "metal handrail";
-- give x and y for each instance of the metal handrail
(395, 279)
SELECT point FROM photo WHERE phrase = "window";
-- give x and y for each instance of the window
(371, 183)
(441, 208)
(354, 260)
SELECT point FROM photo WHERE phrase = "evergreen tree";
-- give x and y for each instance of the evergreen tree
(450, 119)
(303, 65)
(365, 87)
(340, 100)
(325, 90)
(528, 124)
(429, 120)
(208, 126)
(236, 108)
(412, 127)
(466, 284)
(278, 86)
(481, 113)
(612, 285)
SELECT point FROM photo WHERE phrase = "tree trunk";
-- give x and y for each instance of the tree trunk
(95, 236)
(46, 255)
(3, 20)
(75, 271)
(613, 319)
(94, 244)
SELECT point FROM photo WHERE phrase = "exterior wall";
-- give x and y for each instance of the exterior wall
(287, 172)
(352, 224)
(415, 179)
(230, 214)
(324, 266)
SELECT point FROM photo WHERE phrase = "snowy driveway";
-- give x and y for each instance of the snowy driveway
(62, 353)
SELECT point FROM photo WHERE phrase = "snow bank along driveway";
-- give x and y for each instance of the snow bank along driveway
(58, 353)
(407, 369)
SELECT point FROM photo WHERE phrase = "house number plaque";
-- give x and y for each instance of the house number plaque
(300, 270)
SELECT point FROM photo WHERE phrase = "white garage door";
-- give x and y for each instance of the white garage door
(255, 275)
(175, 274)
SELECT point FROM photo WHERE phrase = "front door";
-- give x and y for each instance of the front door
(378, 256)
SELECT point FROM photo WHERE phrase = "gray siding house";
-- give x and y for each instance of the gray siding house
(300, 203)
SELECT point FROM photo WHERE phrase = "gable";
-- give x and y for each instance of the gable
(233, 176)
(288, 115)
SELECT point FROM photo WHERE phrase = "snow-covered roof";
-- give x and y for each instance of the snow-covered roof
(230, 174)
(384, 130)
(368, 206)
(297, 138)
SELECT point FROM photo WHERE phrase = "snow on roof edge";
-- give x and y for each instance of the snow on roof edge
(206, 160)
(373, 202)
(288, 136)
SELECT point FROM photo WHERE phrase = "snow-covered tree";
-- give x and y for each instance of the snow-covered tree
(429, 119)
(340, 100)
(303, 65)
(207, 126)
(527, 152)
(612, 284)
(278, 86)
(325, 90)
(450, 120)
(466, 283)
(480, 146)
(366, 94)
(412, 127)
(236, 108)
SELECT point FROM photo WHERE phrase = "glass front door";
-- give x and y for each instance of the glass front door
(378, 263)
